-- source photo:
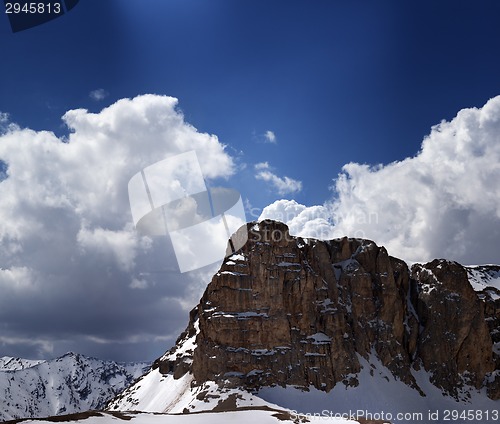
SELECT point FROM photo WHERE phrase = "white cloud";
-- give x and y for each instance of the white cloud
(444, 202)
(70, 254)
(283, 210)
(118, 247)
(139, 283)
(40, 346)
(5, 125)
(270, 137)
(262, 166)
(16, 279)
(283, 185)
(314, 221)
(267, 137)
(98, 95)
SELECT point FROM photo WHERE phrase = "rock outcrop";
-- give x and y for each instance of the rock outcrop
(455, 344)
(290, 311)
(486, 279)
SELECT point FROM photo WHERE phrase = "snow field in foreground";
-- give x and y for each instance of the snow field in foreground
(239, 417)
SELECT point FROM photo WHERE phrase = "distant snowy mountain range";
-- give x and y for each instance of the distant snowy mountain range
(71, 383)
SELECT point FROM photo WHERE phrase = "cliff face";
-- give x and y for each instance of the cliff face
(454, 344)
(289, 311)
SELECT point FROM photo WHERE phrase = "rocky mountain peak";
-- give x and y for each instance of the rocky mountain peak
(455, 343)
(315, 315)
(291, 311)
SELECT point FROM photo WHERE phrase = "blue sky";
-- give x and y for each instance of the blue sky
(298, 92)
(335, 81)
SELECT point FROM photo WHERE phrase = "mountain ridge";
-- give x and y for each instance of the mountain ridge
(68, 384)
(303, 313)
(292, 324)
(9, 363)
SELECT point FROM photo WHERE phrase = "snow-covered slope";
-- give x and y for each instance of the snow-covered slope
(262, 416)
(8, 363)
(68, 384)
(157, 392)
(377, 392)
(371, 391)
(379, 395)
(485, 277)
(164, 393)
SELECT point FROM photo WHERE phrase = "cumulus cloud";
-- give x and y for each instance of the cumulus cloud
(270, 137)
(283, 185)
(443, 202)
(267, 137)
(73, 269)
(303, 221)
(5, 124)
(98, 95)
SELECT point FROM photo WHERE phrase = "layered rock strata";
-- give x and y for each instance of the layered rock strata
(290, 311)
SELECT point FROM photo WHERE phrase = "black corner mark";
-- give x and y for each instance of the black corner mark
(26, 14)
(70, 4)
